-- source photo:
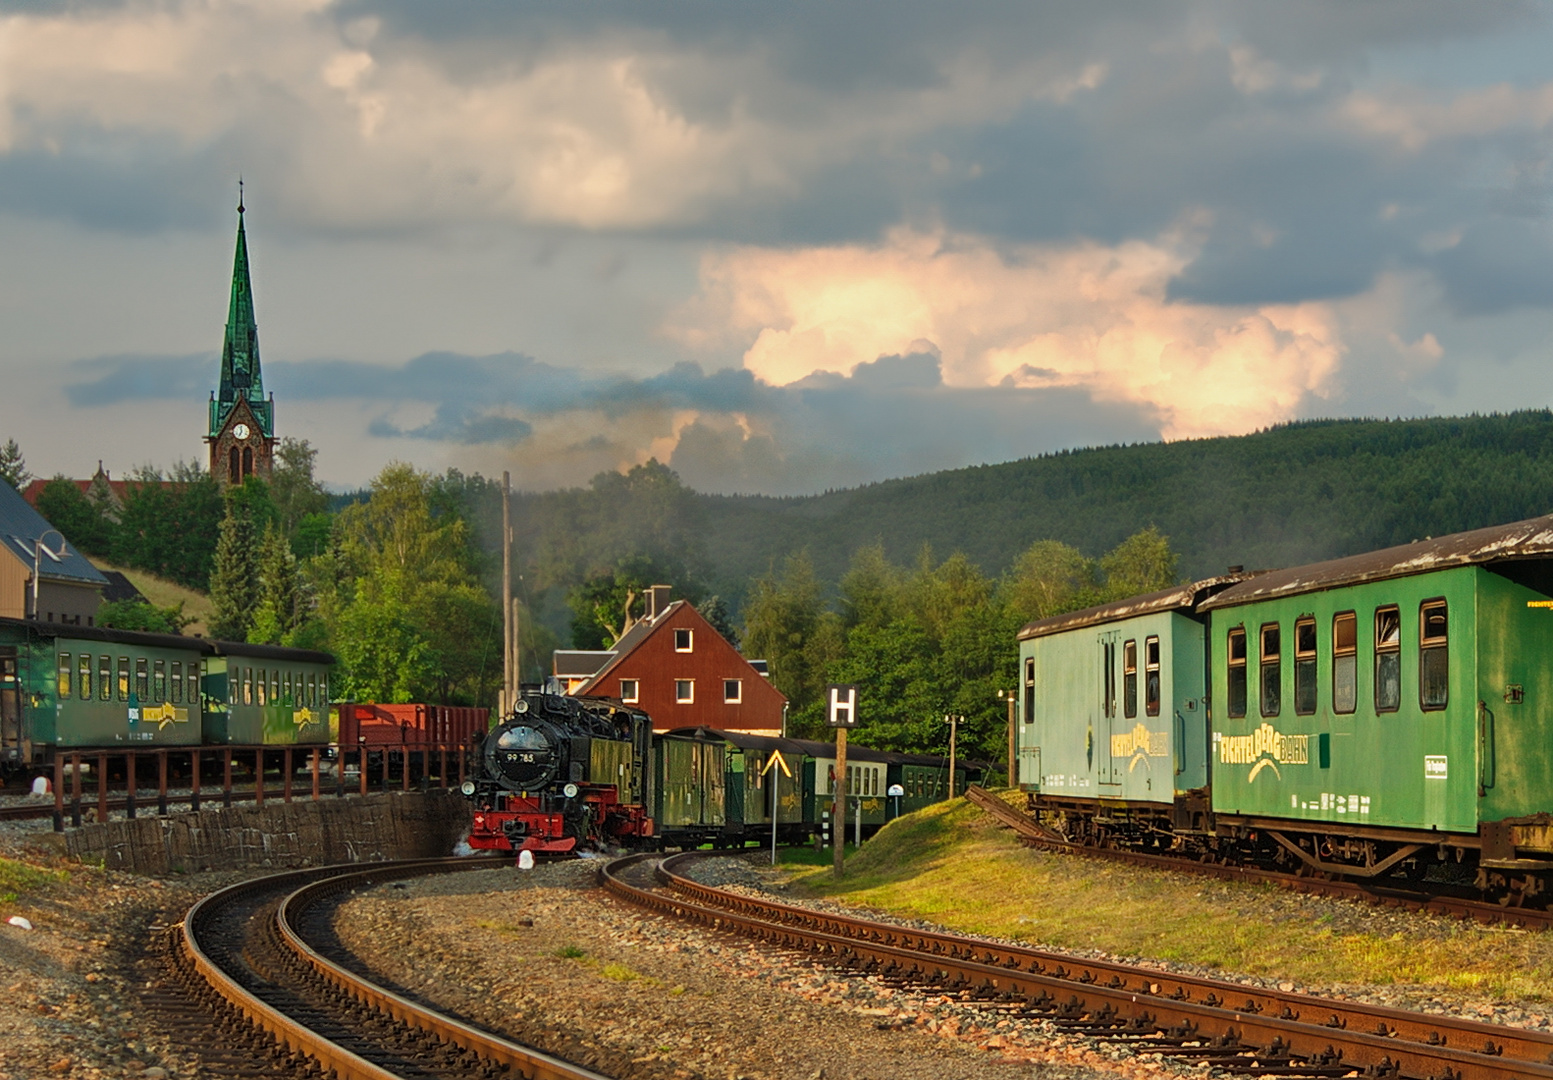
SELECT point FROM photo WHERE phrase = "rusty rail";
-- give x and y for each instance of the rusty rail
(1215, 1018)
(1034, 834)
(312, 887)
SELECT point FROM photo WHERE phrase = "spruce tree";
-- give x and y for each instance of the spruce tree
(234, 579)
(278, 611)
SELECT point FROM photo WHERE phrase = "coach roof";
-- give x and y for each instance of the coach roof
(1177, 598)
(1517, 541)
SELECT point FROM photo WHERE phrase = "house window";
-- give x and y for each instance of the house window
(1305, 666)
(84, 678)
(1345, 662)
(1388, 659)
(1236, 705)
(177, 682)
(1433, 656)
(1130, 679)
(1272, 670)
(104, 678)
(684, 691)
(630, 691)
(733, 691)
(1029, 689)
(681, 640)
(159, 681)
(64, 675)
(1151, 676)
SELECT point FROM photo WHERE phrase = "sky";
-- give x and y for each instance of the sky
(779, 247)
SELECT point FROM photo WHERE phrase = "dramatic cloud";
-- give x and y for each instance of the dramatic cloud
(1087, 317)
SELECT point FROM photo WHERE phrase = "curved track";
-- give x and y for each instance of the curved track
(1391, 894)
(1243, 1029)
(263, 999)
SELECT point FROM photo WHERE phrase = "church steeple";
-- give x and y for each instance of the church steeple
(242, 420)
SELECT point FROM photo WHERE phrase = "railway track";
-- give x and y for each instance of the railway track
(253, 985)
(1246, 1030)
(1034, 835)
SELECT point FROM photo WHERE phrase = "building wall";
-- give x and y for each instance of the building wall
(14, 575)
(66, 603)
(656, 666)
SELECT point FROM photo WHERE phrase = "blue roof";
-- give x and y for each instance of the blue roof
(21, 526)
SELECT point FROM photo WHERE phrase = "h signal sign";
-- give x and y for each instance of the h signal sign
(841, 705)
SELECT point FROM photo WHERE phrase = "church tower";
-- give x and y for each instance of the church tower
(242, 420)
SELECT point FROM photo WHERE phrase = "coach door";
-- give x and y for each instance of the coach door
(10, 707)
(1106, 765)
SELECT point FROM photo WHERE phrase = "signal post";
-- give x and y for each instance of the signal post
(841, 714)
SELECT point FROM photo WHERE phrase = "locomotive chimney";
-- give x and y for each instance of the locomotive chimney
(657, 600)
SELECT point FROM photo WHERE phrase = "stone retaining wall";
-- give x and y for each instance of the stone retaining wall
(396, 825)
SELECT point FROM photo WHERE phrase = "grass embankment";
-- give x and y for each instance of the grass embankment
(952, 865)
(163, 593)
(18, 878)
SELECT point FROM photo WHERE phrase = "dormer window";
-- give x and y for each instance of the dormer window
(681, 640)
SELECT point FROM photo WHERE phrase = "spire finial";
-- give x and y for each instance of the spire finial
(239, 194)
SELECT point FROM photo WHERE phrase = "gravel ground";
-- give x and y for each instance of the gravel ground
(547, 959)
(69, 1005)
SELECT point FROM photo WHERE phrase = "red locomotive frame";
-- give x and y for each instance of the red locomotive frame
(546, 830)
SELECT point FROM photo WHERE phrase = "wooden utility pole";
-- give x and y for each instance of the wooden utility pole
(838, 814)
(954, 724)
(509, 615)
(1013, 778)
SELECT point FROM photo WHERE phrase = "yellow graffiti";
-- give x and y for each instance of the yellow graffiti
(1140, 744)
(304, 716)
(163, 714)
(1264, 748)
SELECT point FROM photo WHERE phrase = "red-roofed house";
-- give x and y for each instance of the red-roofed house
(675, 667)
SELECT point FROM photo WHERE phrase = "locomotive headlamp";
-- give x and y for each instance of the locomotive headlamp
(521, 706)
(467, 787)
(570, 791)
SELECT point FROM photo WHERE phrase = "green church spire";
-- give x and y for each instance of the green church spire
(240, 374)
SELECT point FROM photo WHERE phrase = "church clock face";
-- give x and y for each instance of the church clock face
(241, 431)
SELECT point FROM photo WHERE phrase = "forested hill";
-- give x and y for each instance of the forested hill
(1291, 494)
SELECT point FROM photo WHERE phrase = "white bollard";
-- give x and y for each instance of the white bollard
(41, 786)
(525, 859)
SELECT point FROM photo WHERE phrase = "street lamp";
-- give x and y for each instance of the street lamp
(38, 548)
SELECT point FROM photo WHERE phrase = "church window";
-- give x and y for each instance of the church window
(247, 461)
(234, 473)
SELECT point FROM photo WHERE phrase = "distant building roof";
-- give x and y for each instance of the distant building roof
(580, 663)
(21, 526)
(120, 588)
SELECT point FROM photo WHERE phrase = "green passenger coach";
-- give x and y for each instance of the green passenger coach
(266, 695)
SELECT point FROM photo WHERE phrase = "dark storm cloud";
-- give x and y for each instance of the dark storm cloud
(109, 380)
(1499, 265)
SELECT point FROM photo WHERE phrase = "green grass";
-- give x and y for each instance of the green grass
(571, 952)
(163, 593)
(950, 864)
(17, 878)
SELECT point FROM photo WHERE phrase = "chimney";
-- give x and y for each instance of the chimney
(657, 600)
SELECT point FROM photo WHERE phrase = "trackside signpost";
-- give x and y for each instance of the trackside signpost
(775, 761)
(841, 714)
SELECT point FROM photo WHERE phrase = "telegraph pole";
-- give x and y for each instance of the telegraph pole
(1013, 781)
(509, 614)
(954, 724)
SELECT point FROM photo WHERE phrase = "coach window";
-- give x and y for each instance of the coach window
(1129, 679)
(259, 687)
(123, 678)
(247, 685)
(1433, 658)
(733, 691)
(142, 680)
(159, 681)
(1029, 689)
(1108, 679)
(1345, 662)
(681, 640)
(84, 678)
(104, 678)
(1151, 676)
(1388, 659)
(274, 686)
(1305, 666)
(323, 690)
(630, 691)
(685, 691)
(1236, 706)
(1272, 670)
(194, 682)
(64, 675)
(177, 682)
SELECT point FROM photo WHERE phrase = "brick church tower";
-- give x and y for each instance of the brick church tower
(242, 420)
